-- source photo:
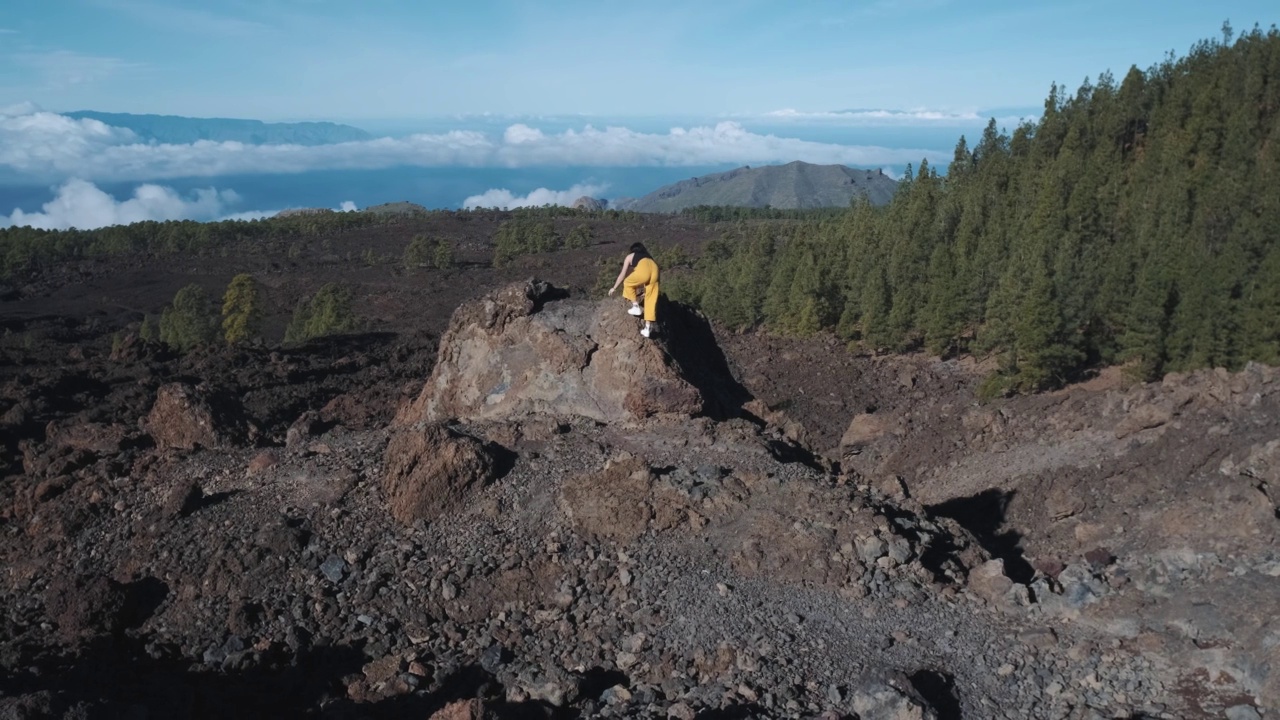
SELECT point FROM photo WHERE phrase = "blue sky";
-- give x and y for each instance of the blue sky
(386, 59)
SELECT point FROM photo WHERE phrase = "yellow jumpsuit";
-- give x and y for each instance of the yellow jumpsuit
(645, 275)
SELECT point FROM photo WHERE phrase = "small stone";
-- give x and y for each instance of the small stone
(722, 589)
(1005, 670)
(492, 658)
(333, 568)
(624, 577)
(1243, 712)
(870, 549)
(680, 711)
(634, 643)
(616, 695)
(262, 461)
(448, 591)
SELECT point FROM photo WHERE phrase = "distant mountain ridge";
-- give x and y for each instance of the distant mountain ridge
(178, 130)
(796, 185)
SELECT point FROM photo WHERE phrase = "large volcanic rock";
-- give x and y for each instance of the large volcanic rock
(528, 349)
(431, 469)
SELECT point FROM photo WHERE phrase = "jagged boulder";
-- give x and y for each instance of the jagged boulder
(185, 418)
(529, 349)
(432, 469)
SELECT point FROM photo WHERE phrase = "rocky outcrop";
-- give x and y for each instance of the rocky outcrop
(529, 349)
(589, 203)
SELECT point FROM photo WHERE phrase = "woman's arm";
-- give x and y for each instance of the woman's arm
(626, 270)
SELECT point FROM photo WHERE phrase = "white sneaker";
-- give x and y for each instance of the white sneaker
(644, 332)
(635, 310)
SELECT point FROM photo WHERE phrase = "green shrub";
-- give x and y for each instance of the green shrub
(426, 251)
(671, 256)
(578, 238)
(996, 385)
(189, 321)
(150, 329)
(328, 312)
(522, 237)
(442, 256)
(419, 251)
(605, 276)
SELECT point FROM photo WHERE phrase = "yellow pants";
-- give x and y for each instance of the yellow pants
(646, 276)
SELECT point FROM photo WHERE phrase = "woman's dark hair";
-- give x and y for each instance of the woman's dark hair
(640, 251)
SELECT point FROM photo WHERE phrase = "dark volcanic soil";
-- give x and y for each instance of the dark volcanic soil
(249, 533)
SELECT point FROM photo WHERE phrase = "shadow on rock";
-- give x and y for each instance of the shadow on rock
(114, 678)
(939, 690)
(693, 347)
(983, 515)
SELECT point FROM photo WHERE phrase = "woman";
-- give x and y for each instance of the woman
(640, 272)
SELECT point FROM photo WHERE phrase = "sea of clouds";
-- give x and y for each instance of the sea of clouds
(38, 147)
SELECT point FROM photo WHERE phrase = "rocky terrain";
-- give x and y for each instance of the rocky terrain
(540, 514)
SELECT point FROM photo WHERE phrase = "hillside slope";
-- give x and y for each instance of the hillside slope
(794, 185)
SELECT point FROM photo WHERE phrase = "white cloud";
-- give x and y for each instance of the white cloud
(46, 147)
(22, 108)
(503, 198)
(250, 215)
(7, 31)
(81, 204)
(895, 118)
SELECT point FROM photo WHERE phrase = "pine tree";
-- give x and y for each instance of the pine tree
(944, 312)
(189, 322)
(1261, 316)
(1044, 354)
(876, 331)
(442, 255)
(241, 310)
(418, 253)
(329, 312)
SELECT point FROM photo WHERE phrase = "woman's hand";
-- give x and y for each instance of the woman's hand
(612, 290)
